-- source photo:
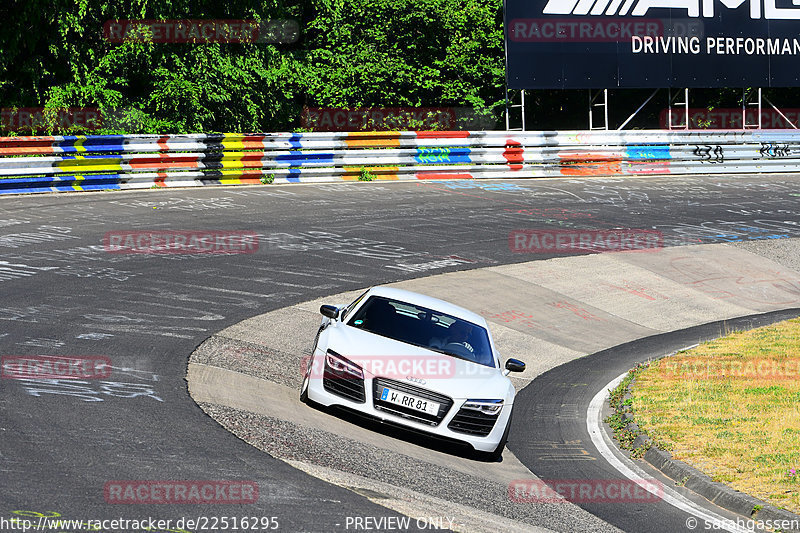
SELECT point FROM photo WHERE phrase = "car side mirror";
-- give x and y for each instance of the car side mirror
(329, 311)
(515, 365)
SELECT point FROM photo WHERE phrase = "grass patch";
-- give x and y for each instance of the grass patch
(366, 175)
(731, 408)
(622, 407)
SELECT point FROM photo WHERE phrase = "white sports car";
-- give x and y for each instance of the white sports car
(415, 361)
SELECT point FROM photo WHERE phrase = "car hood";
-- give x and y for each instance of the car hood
(383, 357)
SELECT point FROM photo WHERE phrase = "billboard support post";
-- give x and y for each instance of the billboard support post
(520, 106)
(756, 125)
(622, 126)
(684, 125)
(602, 104)
(792, 124)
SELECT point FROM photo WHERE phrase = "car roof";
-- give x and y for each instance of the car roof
(429, 302)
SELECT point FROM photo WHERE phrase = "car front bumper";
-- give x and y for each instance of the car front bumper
(349, 396)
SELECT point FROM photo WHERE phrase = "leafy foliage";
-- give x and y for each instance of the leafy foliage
(350, 53)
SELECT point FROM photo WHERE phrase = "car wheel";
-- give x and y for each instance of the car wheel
(497, 454)
(306, 379)
(304, 391)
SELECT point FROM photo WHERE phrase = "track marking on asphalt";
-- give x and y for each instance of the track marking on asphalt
(229, 291)
(630, 470)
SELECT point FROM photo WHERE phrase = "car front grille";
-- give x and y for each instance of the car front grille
(343, 384)
(445, 403)
(473, 422)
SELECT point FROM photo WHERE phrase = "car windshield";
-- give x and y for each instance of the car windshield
(424, 327)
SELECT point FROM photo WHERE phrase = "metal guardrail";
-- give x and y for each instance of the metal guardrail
(73, 163)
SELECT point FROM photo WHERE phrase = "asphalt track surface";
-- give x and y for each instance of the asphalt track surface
(569, 388)
(62, 293)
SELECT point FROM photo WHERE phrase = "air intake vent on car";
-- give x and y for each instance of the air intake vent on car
(472, 422)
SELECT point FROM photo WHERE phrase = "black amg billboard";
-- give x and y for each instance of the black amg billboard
(574, 44)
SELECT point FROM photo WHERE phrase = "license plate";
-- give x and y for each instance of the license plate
(410, 401)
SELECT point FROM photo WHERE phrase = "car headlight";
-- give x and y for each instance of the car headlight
(341, 364)
(487, 407)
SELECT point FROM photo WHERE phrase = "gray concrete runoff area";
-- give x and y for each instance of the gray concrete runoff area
(247, 376)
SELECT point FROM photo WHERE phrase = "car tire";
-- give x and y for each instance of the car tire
(304, 391)
(306, 380)
(497, 454)
(307, 377)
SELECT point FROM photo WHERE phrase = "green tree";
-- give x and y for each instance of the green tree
(350, 53)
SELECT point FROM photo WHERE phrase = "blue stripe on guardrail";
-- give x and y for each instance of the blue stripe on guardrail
(648, 152)
(93, 179)
(95, 143)
(443, 155)
(301, 158)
